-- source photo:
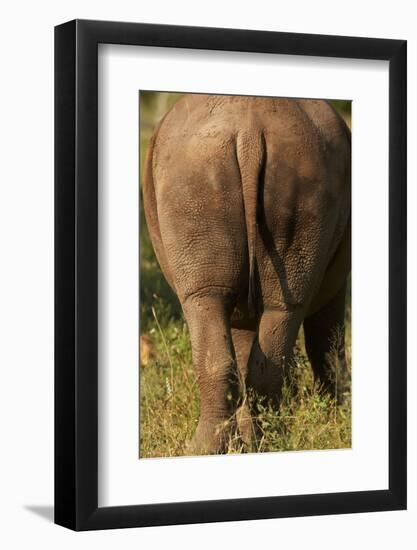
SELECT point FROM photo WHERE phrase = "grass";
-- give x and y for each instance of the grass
(169, 399)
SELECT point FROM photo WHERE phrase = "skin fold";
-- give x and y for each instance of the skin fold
(247, 201)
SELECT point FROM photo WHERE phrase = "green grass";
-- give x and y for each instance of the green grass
(169, 399)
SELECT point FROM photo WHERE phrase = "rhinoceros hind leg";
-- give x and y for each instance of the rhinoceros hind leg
(324, 333)
(215, 365)
(272, 352)
(243, 340)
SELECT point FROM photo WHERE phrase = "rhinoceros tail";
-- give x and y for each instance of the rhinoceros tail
(251, 152)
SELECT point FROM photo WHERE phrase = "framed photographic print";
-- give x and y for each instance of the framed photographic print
(230, 252)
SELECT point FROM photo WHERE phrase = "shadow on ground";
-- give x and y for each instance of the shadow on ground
(45, 512)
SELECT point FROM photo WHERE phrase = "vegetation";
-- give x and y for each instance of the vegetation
(169, 400)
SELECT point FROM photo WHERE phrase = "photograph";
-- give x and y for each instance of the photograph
(245, 287)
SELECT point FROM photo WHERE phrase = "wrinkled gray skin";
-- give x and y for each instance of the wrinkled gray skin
(247, 202)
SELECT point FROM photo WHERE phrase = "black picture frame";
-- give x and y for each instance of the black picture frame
(76, 271)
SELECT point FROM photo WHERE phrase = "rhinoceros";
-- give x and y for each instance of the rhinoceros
(247, 202)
